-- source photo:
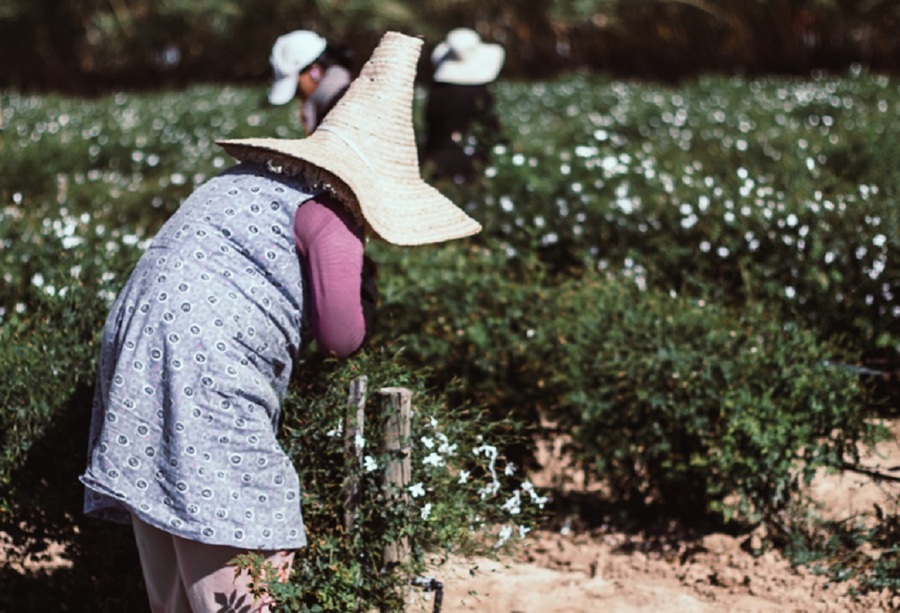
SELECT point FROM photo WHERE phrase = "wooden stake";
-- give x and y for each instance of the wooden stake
(396, 407)
(354, 425)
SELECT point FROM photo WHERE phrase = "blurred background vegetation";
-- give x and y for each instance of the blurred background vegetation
(86, 46)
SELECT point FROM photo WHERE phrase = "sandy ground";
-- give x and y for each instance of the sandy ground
(581, 574)
(558, 572)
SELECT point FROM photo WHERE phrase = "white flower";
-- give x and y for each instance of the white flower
(489, 490)
(417, 490)
(428, 442)
(69, 242)
(338, 430)
(488, 450)
(523, 530)
(464, 476)
(359, 442)
(514, 504)
(550, 238)
(433, 422)
(503, 536)
(426, 510)
(491, 452)
(528, 488)
(369, 464)
(445, 447)
(510, 470)
(434, 459)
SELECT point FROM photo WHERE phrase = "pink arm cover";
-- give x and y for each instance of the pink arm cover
(331, 251)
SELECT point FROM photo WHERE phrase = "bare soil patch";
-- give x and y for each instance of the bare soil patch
(603, 570)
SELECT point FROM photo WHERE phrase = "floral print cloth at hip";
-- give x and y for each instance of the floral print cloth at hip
(196, 356)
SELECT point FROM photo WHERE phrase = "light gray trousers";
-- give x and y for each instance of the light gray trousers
(185, 576)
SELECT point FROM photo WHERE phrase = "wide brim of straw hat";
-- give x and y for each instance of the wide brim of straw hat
(365, 152)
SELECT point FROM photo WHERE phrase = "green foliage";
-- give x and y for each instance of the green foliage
(693, 406)
(679, 402)
(463, 496)
(663, 273)
(839, 550)
(466, 313)
(772, 190)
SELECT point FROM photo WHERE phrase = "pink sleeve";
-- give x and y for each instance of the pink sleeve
(331, 251)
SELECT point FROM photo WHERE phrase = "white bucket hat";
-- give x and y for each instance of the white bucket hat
(463, 59)
(365, 152)
(291, 54)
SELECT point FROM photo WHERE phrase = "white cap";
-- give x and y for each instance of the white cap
(462, 58)
(291, 54)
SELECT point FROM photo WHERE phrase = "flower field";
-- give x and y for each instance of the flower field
(770, 189)
(688, 281)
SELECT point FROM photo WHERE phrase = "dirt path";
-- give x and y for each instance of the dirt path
(581, 574)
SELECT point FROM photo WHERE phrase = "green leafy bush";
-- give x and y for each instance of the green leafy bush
(463, 496)
(694, 406)
(680, 402)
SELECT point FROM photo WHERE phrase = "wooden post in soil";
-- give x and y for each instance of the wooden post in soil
(354, 426)
(396, 406)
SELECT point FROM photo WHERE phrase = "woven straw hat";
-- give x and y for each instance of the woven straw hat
(365, 152)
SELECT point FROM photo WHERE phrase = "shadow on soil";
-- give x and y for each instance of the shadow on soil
(100, 570)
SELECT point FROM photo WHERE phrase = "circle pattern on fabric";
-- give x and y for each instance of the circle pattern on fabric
(196, 355)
